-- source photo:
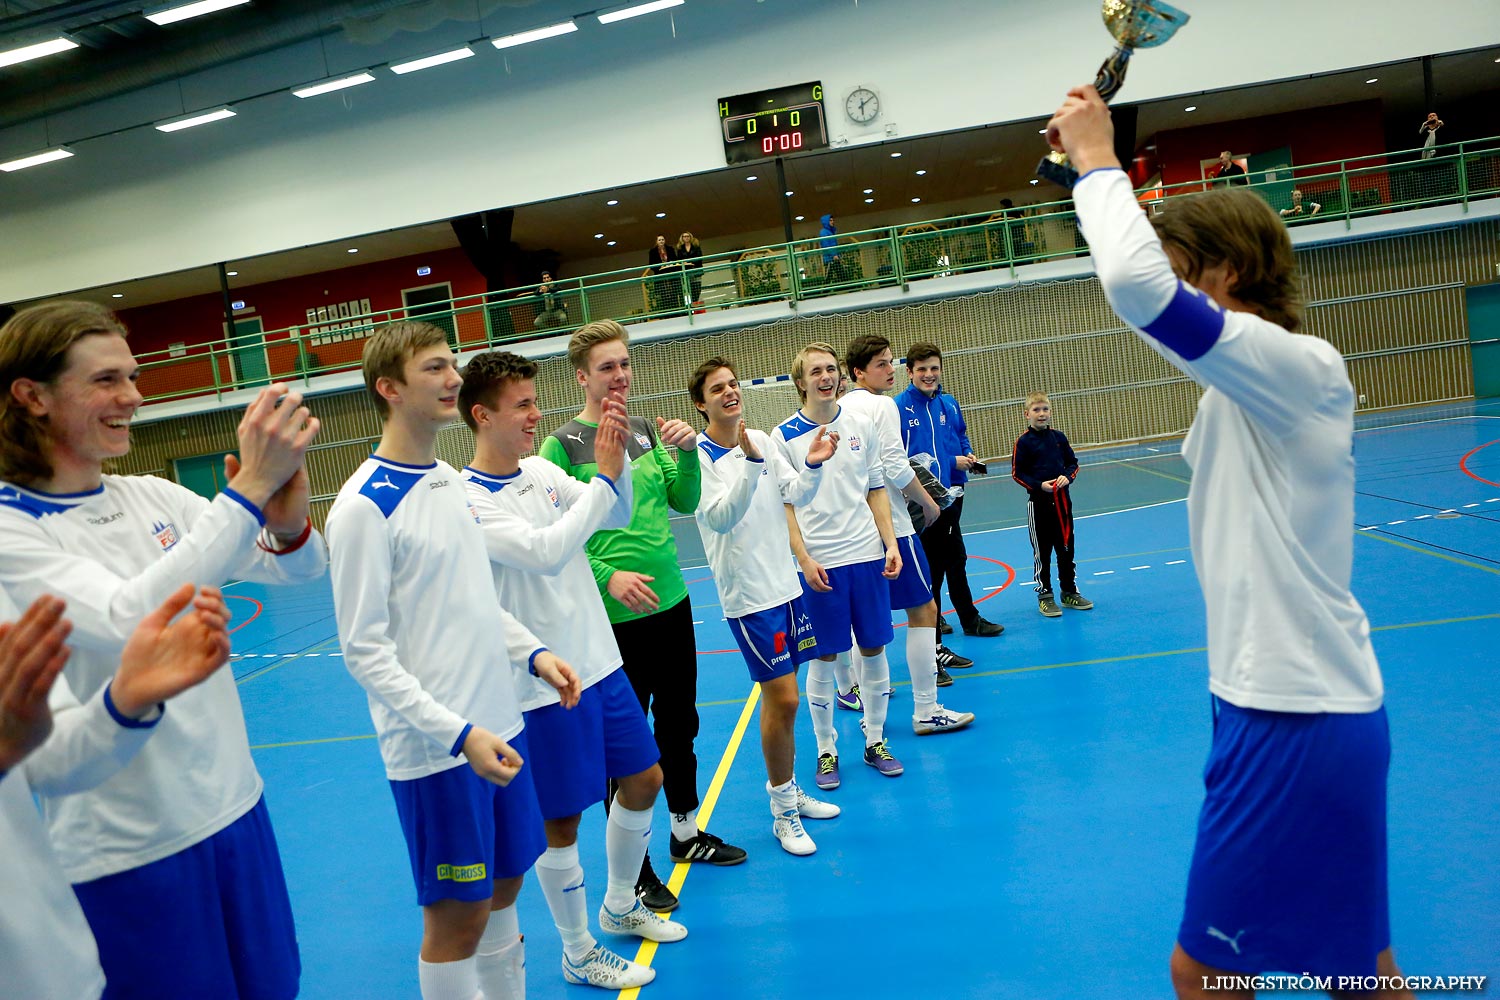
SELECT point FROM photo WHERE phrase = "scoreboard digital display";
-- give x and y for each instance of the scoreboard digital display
(773, 123)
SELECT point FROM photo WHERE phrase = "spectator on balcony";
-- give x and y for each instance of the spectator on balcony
(552, 312)
(1300, 209)
(833, 265)
(659, 259)
(688, 255)
(1230, 172)
(1428, 131)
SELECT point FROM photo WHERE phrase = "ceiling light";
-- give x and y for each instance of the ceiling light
(636, 10)
(1191, 107)
(753, 177)
(788, 194)
(231, 273)
(800, 218)
(1041, 131)
(869, 190)
(329, 86)
(869, 201)
(427, 62)
(611, 243)
(895, 156)
(1373, 79)
(921, 173)
(353, 250)
(661, 215)
(117, 295)
(201, 118)
(598, 236)
(50, 47)
(183, 11)
(1033, 182)
(534, 35)
(613, 201)
(915, 201)
(60, 153)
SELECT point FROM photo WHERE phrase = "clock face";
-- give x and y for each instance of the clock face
(862, 105)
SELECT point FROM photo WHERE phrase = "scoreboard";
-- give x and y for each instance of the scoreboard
(773, 123)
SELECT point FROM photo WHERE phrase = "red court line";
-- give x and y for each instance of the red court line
(1463, 463)
(258, 609)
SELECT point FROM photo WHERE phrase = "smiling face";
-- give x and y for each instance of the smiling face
(927, 374)
(819, 382)
(510, 428)
(879, 375)
(87, 408)
(608, 371)
(722, 405)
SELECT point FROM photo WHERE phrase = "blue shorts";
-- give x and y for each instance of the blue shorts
(775, 641)
(859, 601)
(462, 832)
(912, 588)
(1289, 869)
(212, 920)
(575, 751)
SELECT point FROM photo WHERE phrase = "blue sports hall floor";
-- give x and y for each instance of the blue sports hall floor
(1040, 854)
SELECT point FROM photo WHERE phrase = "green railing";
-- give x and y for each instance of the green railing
(804, 269)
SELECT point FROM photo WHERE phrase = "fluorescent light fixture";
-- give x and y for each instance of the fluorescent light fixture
(353, 250)
(231, 274)
(60, 153)
(427, 62)
(183, 11)
(534, 35)
(329, 86)
(201, 118)
(636, 10)
(1191, 107)
(117, 295)
(753, 177)
(1373, 79)
(50, 47)
(895, 156)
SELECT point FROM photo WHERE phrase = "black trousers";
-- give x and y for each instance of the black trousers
(661, 661)
(943, 541)
(1051, 522)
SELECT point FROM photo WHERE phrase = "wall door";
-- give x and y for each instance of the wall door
(1271, 172)
(432, 304)
(247, 354)
(203, 474)
(1482, 304)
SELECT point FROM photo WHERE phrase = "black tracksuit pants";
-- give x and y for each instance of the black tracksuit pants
(1050, 517)
(943, 541)
(661, 661)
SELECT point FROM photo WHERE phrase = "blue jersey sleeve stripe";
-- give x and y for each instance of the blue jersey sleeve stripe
(239, 499)
(1190, 325)
(458, 744)
(125, 720)
(608, 480)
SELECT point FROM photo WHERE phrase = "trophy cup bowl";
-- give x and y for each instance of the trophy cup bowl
(1135, 24)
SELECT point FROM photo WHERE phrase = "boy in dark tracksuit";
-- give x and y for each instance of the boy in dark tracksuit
(1044, 463)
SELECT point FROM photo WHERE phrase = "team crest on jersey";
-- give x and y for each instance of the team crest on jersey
(166, 535)
(475, 512)
(643, 441)
(552, 495)
(942, 418)
(854, 442)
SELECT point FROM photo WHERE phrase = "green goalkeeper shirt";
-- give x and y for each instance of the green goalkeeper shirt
(663, 479)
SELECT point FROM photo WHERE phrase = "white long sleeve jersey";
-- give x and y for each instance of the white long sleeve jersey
(421, 628)
(46, 948)
(742, 518)
(536, 522)
(1271, 506)
(882, 412)
(114, 554)
(837, 525)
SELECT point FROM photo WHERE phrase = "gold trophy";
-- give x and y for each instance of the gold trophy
(1135, 24)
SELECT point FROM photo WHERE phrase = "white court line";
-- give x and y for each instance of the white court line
(1105, 572)
(1421, 517)
(991, 588)
(697, 623)
(1468, 505)
(1389, 523)
(1084, 517)
(1176, 562)
(1134, 568)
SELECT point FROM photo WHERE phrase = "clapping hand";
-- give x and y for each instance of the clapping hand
(824, 444)
(677, 433)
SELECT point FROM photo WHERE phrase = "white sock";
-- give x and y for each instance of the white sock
(843, 674)
(783, 797)
(820, 692)
(561, 878)
(626, 837)
(685, 825)
(875, 689)
(855, 668)
(500, 960)
(448, 980)
(921, 660)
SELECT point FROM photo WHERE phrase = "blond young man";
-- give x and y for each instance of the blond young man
(847, 551)
(636, 571)
(424, 635)
(747, 482)
(536, 520)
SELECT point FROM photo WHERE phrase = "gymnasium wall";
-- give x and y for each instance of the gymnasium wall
(1393, 306)
(599, 109)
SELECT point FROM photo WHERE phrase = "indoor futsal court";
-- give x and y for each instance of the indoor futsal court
(1041, 854)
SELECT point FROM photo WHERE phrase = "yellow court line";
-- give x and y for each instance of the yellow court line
(308, 743)
(647, 950)
(1426, 552)
(1153, 472)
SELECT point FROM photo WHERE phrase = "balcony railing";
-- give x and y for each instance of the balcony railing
(1454, 174)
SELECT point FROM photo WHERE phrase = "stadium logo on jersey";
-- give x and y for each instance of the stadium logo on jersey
(552, 495)
(166, 535)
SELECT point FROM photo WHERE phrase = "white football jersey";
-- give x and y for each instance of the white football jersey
(837, 526)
